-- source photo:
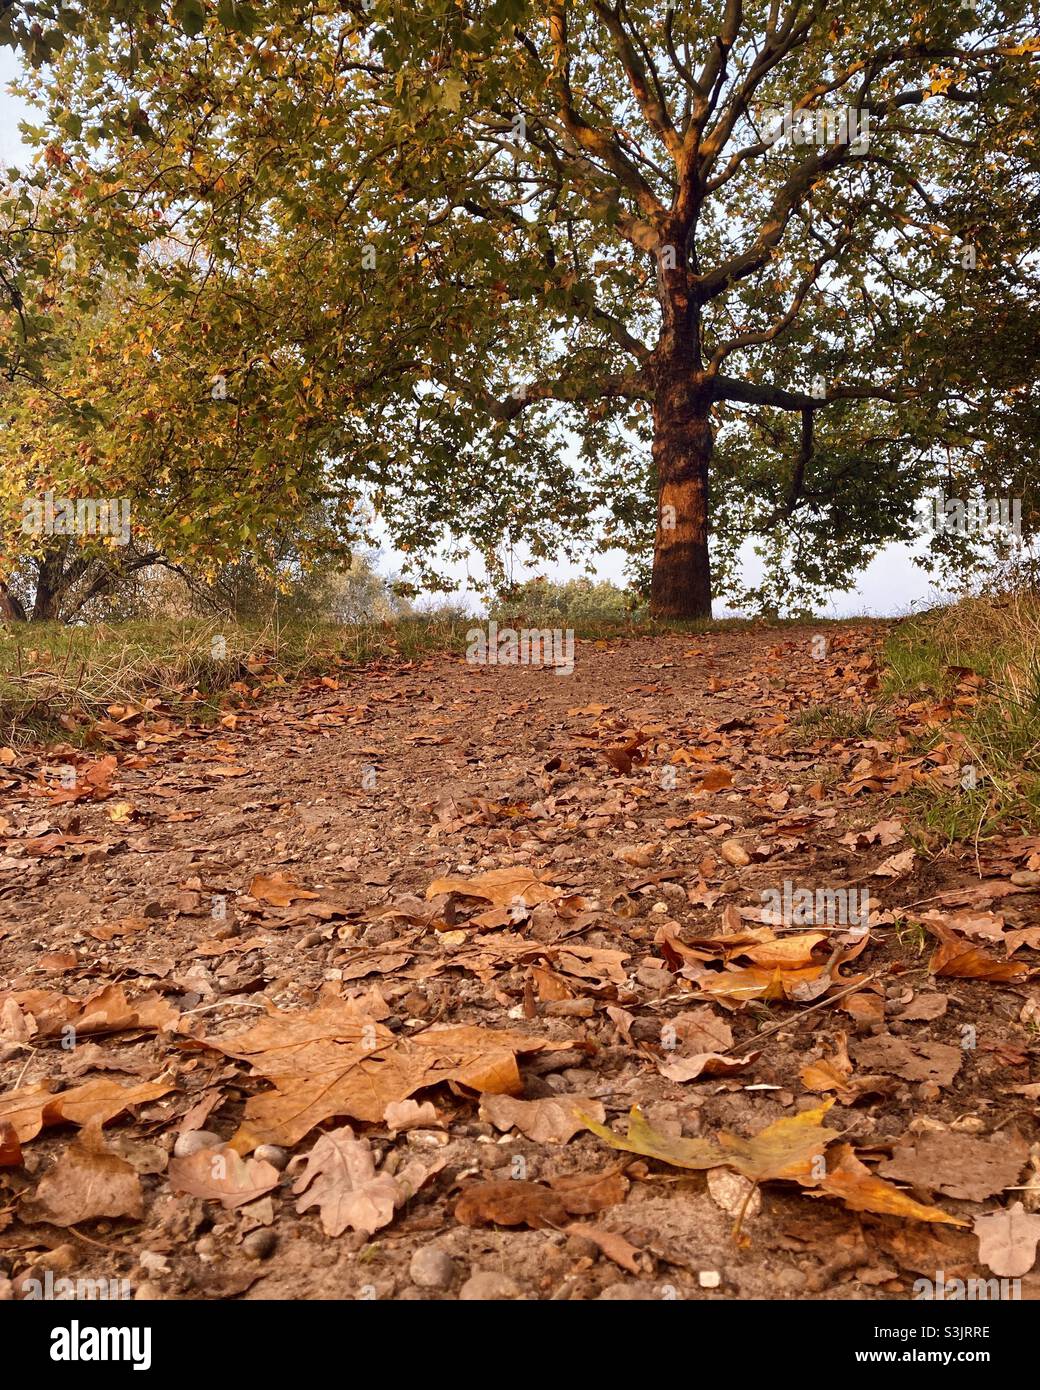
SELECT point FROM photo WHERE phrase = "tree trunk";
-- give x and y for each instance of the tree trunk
(680, 585)
(49, 586)
(11, 610)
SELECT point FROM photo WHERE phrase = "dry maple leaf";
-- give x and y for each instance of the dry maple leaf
(1008, 1240)
(954, 957)
(332, 1061)
(224, 1175)
(88, 1181)
(782, 1150)
(277, 889)
(958, 1165)
(860, 1190)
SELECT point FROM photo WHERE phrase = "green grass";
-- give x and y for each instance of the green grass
(998, 639)
(56, 680)
(841, 722)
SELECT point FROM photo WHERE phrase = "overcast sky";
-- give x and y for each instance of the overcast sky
(889, 585)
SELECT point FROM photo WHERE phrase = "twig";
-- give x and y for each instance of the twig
(787, 1022)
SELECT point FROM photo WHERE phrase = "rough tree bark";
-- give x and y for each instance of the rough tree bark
(680, 585)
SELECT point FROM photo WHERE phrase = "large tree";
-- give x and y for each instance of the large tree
(505, 226)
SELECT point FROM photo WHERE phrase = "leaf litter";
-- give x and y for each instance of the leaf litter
(376, 1019)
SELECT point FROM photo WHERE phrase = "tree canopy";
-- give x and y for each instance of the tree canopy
(564, 271)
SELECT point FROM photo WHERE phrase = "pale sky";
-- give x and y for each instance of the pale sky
(889, 585)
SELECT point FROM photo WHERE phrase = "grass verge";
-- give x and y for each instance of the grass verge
(982, 656)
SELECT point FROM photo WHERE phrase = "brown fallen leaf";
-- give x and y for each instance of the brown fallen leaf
(278, 890)
(1027, 936)
(715, 780)
(938, 1063)
(897, 864)
(787, 954)
(29, 1109)
(343, 1182)
(923, 1008)
(959, 959)
(697, 1030)
(334, 1061)
(1008, 1240)
(854, 1183)
(704, 1064)
(223, 1175)
(513, 1202)
(222, 948)
(733, 988)
(502, 887)
(10, 1148)
(123, 927)
(584, 1194)
(57, 962)
(108, 1010)
(989, 926)
(88, 1181)
(958, 1165)
(553, 1120)
(400, 1115)
(830, 1073)
(615, 1247)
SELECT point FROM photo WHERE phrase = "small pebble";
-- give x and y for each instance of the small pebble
(259, 1245)
(709, 1278)
(192, 1141)
(488, 1284)
(431, 1268)
(273, 1154)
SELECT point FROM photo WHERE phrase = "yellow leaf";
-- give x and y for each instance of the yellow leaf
(860, 1190)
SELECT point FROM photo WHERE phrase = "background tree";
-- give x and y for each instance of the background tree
(504, 246)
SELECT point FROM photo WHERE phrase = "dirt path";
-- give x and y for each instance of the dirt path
(645, 804)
